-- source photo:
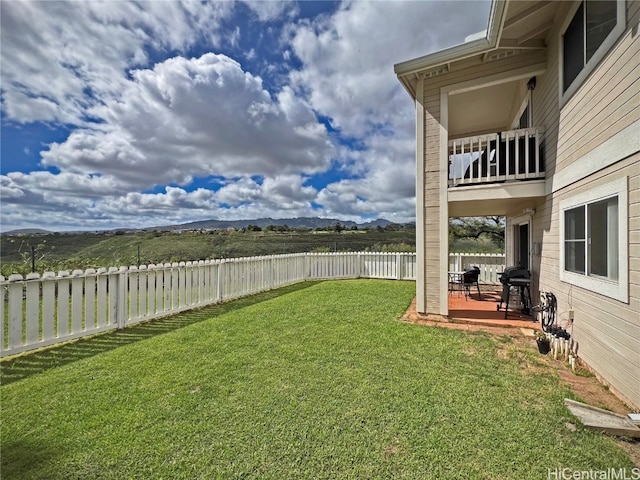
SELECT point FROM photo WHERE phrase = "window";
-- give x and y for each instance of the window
(591, 239)
(588, 34)
(594, 233)
(574, 240)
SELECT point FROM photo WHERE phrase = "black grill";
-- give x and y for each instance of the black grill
(515, 277)
(513, 272)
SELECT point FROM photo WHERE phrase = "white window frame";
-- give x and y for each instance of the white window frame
(597, 56)
(617, 289)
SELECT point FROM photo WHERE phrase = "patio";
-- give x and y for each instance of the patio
(469, 312)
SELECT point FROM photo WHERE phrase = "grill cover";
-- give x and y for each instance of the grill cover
(513, 272)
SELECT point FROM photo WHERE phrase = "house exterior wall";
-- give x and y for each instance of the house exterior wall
(435, 166)
(607, 102)
(607, 330)
(591, 139)
(603, 112)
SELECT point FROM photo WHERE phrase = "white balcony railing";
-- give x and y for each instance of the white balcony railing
(497, 157)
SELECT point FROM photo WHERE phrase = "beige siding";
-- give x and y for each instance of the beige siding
(545, 108)
(607, 330)
(608, 100)
(434, 249)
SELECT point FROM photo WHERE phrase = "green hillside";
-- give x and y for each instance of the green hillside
(55, 252)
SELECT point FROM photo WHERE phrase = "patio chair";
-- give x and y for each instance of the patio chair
(469, 278)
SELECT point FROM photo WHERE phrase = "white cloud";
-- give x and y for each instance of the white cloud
(282, 192)
(147, 119)
(9, 189)
(66, 183)
(348, 58)
(55, 53)
(347, 75)
(196, 117)
(271, 10)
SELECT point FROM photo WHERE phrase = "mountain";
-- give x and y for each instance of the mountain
(308, 222)
(297, 222)
(27, 231)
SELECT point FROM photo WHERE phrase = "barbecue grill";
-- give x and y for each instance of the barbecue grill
(515, 280)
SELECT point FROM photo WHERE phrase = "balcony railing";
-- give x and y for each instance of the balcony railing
(497, 157)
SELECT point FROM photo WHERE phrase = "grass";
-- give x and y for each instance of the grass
(313, 381)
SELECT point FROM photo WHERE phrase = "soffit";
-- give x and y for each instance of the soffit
(527, 22)
(517, 26)
(471, 112)
(509, 198)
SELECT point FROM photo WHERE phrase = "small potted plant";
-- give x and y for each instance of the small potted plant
(544, 346)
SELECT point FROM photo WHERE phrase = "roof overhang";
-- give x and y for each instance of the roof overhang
(410, 70)
(495, 199)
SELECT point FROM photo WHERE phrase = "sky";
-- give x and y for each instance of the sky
(120, 114)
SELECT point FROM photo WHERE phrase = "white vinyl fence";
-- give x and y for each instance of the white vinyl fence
(490, 264)
(44, 310)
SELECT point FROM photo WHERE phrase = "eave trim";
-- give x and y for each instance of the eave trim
(459, 52)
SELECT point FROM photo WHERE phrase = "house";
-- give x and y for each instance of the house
(539, 121)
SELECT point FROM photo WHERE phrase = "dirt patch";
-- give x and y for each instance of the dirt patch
(519, 349)
(592, 392)
(393, 449)
(469, 350)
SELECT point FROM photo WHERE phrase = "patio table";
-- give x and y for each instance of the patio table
(455, 282)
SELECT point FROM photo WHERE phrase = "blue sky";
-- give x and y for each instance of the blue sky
(134, 114)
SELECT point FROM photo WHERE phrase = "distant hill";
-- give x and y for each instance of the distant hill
(308, 222)
(297, 222)
(28, 231)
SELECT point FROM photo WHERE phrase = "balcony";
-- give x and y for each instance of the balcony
(497, 157)
(496, 173)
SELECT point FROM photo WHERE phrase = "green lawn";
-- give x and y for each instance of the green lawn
(314, 381)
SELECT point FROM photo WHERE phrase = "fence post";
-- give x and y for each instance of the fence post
(89, 299)
(33, 307)
(2, 279)
(15, 289)
(121, 300)
(63, 303)
(398, 266)
(219, 286)
(77, 293)
(305, 266)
